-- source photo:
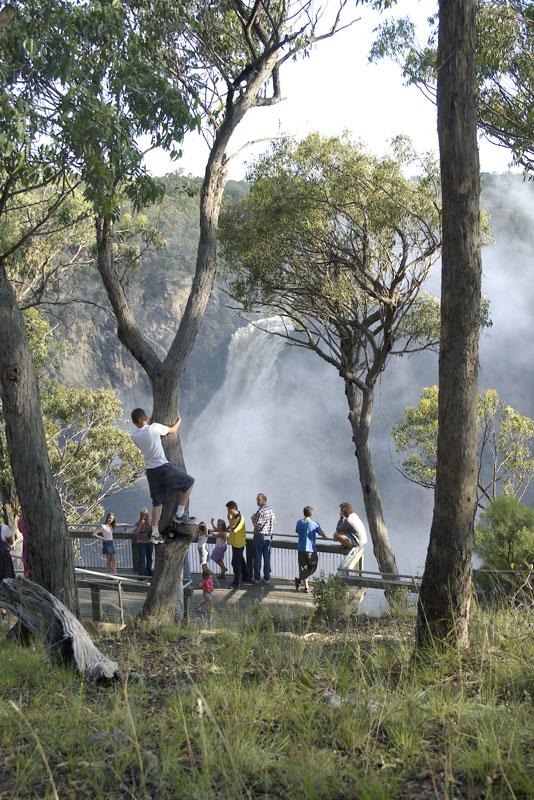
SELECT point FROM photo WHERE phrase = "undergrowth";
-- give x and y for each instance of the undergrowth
(272, 709)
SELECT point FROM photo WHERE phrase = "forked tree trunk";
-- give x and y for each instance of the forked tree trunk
(165, 375)
(360, 415)
(48, 543)
(444, 600)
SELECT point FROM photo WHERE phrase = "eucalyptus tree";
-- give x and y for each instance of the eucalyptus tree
(504, 69)
(43, 71)
(33, 58)
(340, 242)
(505, 440)
(445, 595)
(217, 62)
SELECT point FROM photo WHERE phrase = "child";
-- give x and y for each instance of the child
(108, 546)
(308, 558)
(220, 545)
(202, 546)
(207, 587)
(142, 534)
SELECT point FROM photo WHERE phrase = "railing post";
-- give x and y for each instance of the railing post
(249, 557)
(121, 607)
(135, 556)
(187, 598)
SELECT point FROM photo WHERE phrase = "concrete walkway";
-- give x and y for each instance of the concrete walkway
(279, 593)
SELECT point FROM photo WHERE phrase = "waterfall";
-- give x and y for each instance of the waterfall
(252, 369)
(234, 446)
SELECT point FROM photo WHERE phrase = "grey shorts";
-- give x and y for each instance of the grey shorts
(162, 481)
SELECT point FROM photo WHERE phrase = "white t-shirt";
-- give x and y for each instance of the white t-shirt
(356, 523)
(6, 532)
(107, 532)
(148, 440)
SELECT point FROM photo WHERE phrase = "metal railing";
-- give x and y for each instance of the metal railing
(283, 555)
(103, 581)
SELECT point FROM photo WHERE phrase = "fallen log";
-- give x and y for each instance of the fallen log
(65, 639)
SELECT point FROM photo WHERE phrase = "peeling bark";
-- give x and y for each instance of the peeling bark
(48, 543)
(65, 639)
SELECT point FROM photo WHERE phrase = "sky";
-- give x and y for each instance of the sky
(337, 90)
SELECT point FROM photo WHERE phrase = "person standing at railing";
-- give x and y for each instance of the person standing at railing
(308, 558)
(201, 538)
(142, 534)
(6, 543)
(219, 551)
(108, 545)
(6, 564)
(263, 521)
(237, 537)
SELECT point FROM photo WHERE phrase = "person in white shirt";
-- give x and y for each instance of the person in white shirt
(5, 534)
(350, 530)
(163, 477)
(105, 534)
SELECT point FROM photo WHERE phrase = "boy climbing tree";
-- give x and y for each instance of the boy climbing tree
(163, 477)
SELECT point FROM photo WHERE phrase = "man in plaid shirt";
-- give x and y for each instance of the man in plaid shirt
(263, 521)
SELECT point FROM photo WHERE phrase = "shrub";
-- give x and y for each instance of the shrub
(331, 597)
(504, 539)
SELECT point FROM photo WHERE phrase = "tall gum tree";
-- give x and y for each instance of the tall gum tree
(445, 595)
(223, 60)
(346, 270)
(32, 159)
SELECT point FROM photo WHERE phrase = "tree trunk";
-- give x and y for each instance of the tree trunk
(360, 414)
(444, 600)
(48, 542)
(165, 376)
(162, 595)
(9, 496)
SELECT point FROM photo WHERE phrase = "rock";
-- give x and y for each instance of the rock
(332, 699)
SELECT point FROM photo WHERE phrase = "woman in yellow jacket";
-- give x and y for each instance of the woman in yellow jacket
(237, 538)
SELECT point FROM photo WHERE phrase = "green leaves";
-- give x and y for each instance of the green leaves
(505, 445)
(504, 537)
(505, 64)
(91, 457)
(340, 241)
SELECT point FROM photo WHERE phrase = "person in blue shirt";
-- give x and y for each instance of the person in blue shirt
(307, 530)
